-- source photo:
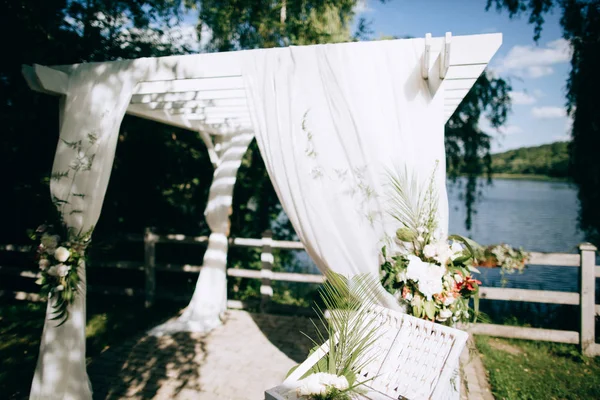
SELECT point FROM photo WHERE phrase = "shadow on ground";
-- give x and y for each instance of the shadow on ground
(148, 367)
(239, 360)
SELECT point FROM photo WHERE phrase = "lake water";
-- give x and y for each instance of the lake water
(535, 215)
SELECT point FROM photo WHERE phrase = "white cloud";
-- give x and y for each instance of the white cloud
(548, 112)
(503, 130)
(537, 71)
(510, 129)
(562, 138)
(522, 98)
(362, 6)
(535, 61)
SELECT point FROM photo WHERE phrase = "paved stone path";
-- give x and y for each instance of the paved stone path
(239, 360)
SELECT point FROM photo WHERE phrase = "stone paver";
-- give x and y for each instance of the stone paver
(475, 384)
(239, 360)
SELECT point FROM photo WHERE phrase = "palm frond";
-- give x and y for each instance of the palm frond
(405, 198)
(349, 327)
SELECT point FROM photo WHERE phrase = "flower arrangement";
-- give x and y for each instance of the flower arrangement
(58, 263)
(509, 259)
(349, 331)
(431, 275)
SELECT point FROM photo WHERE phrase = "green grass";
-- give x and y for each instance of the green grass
(109, 323)
(538, 370)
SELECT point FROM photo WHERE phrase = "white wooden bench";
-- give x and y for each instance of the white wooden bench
(412, 359)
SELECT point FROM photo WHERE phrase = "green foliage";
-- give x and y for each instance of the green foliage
(538, 370)
(548, 159)
(580, 21)
(240, 24)
(349, 329)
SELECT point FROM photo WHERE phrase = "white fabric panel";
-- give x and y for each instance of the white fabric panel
(209, 301)
(96, 103)
(366, 110)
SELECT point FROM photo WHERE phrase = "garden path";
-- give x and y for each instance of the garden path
(239, 360)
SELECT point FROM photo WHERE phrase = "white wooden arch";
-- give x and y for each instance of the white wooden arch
(205, 92)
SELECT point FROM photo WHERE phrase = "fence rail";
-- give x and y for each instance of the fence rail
(584, 298)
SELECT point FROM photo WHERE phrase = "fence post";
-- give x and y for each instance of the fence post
(266, 272)
(149, 265)
(587, 298)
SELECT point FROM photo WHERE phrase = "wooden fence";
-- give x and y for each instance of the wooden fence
(584, 298)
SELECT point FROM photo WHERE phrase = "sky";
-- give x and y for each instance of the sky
(537, 72)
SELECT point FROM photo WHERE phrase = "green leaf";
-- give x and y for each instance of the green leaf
(429, 307)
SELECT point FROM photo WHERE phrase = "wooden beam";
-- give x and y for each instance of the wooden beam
(517, 332)
(190, 85)
(557, 259)
(176, 105)
(163, 116)
(189, 96)
(46, 80)
(533, 296)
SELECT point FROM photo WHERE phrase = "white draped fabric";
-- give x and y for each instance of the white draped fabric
(331, 121)
(90, 118)
(209, 301)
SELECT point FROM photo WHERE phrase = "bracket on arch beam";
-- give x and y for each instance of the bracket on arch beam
(426, 57)
(443, 59)
(445, 55)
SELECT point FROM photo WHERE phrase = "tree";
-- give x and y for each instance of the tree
(580, 23)
(467, 146)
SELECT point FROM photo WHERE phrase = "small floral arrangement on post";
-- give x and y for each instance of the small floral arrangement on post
(508, 258)
(350, 331)
(429, 274)
(58, 263)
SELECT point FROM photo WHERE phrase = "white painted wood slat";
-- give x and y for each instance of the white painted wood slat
(190, 85)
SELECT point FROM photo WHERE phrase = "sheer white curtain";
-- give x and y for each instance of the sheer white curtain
(330, 121)
(90, 118)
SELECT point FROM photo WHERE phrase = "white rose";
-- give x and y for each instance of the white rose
(444, 315)
(443, 252)
(311, 385)
(60, 288)
(416, 268)
(62, 270)
(430, 287)
(429, 251)
(341, 383)
(44, 263)
(62, 254)
(431, 280)
(53, 271)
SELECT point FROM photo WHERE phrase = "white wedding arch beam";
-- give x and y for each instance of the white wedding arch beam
(329, 121)
(207, 92)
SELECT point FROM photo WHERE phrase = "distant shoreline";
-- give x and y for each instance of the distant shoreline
(530, 177)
